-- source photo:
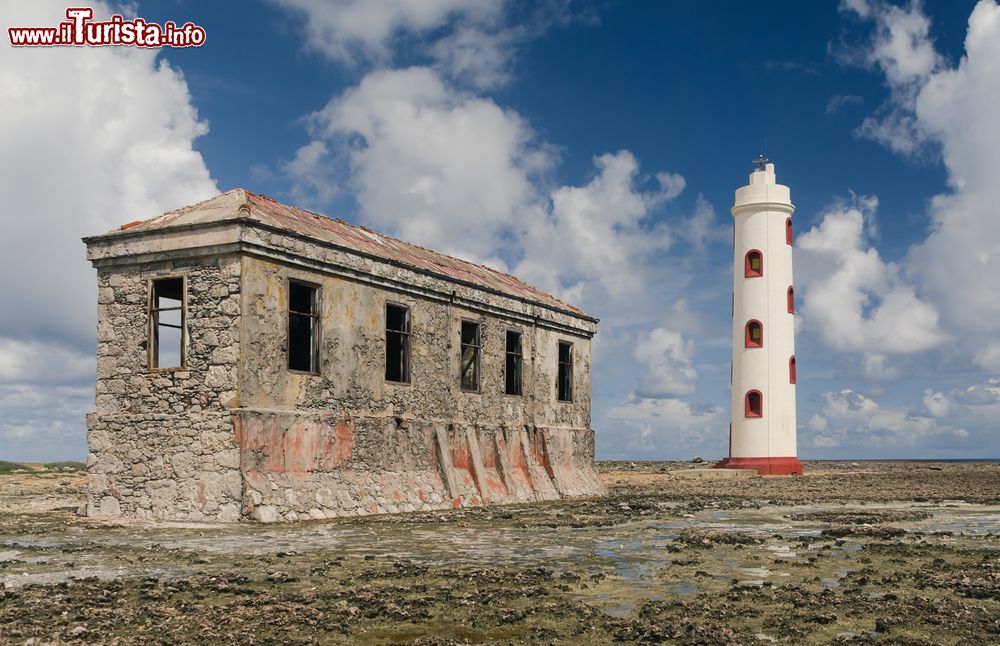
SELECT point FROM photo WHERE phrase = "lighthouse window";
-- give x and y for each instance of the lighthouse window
(788, 231)
(791, 370)
(754, 334)
(754, 264)
(753, 404)
(791, 300)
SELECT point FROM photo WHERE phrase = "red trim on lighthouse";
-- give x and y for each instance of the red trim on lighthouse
(791, 300)
(788, 231)
(781, 466)
(748, 270)
(791, 370)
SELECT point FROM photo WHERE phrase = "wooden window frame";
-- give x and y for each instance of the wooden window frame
(405, 336)
(316, 332)
(564, 380)
(153, 324)
(477, 348)
(517, 357)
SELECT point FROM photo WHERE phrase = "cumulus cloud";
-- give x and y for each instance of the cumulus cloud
(353, 30)
(853, 422)
(472, 42)
(429, 163)
(594, 243)
(660, 428)
(899, 46)
(852, 298)
(951, 106)
(667, 358)
(93, 138)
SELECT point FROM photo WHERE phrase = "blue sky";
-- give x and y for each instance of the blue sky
(590, 148)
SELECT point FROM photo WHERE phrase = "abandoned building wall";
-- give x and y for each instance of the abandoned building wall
(161, 443)
(351, 377)
(421, 445)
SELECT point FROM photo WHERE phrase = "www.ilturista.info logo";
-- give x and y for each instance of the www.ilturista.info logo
(80, 31)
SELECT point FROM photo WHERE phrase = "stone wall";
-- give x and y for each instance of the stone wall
(161, 443)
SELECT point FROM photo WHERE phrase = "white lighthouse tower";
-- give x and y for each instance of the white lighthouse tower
(762, 431)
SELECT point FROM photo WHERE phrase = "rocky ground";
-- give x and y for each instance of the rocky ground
(901, 553)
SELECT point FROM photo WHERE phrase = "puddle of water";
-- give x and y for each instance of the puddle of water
(684, 589)
(622, 611)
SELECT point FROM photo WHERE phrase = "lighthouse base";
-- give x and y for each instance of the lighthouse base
(788, 466)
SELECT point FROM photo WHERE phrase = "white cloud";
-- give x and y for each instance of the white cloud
(659, 428)
(876, 366)
(854, 422)
(431, 164)
(46, 362)
(852, 298)
(93, 137)
(667, 358)
(937, 404)
(953, 106)
(594, 244)
(353, 30)
(899, 46)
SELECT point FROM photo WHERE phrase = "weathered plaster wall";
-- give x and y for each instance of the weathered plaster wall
(161, 443)
(352, 357)
(400, 447)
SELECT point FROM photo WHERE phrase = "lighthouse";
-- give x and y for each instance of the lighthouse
(762, 429)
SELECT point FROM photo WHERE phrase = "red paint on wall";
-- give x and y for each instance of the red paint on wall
(305, 445)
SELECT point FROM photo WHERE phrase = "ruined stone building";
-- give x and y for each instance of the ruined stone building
(258, 361)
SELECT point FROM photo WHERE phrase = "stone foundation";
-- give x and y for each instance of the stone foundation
(272, 466)
(316, 465)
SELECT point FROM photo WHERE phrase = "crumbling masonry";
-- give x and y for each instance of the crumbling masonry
(257, 361)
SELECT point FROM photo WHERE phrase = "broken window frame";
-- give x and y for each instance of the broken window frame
(153, 323)
(564, 378)
(513, 364)
(404, 343)
(315, 323)
(473, 385)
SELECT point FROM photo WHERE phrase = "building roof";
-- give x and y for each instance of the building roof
(240, 204)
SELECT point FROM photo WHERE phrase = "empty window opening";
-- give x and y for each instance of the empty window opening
(471, 340)
(303, 327)
(791, 300)
(565, 371)
(512, 369)
(791, 370)
(788, 231)
(754, 266)
(166, 323)
(754, 334)
(754, 404)
(397, 343)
